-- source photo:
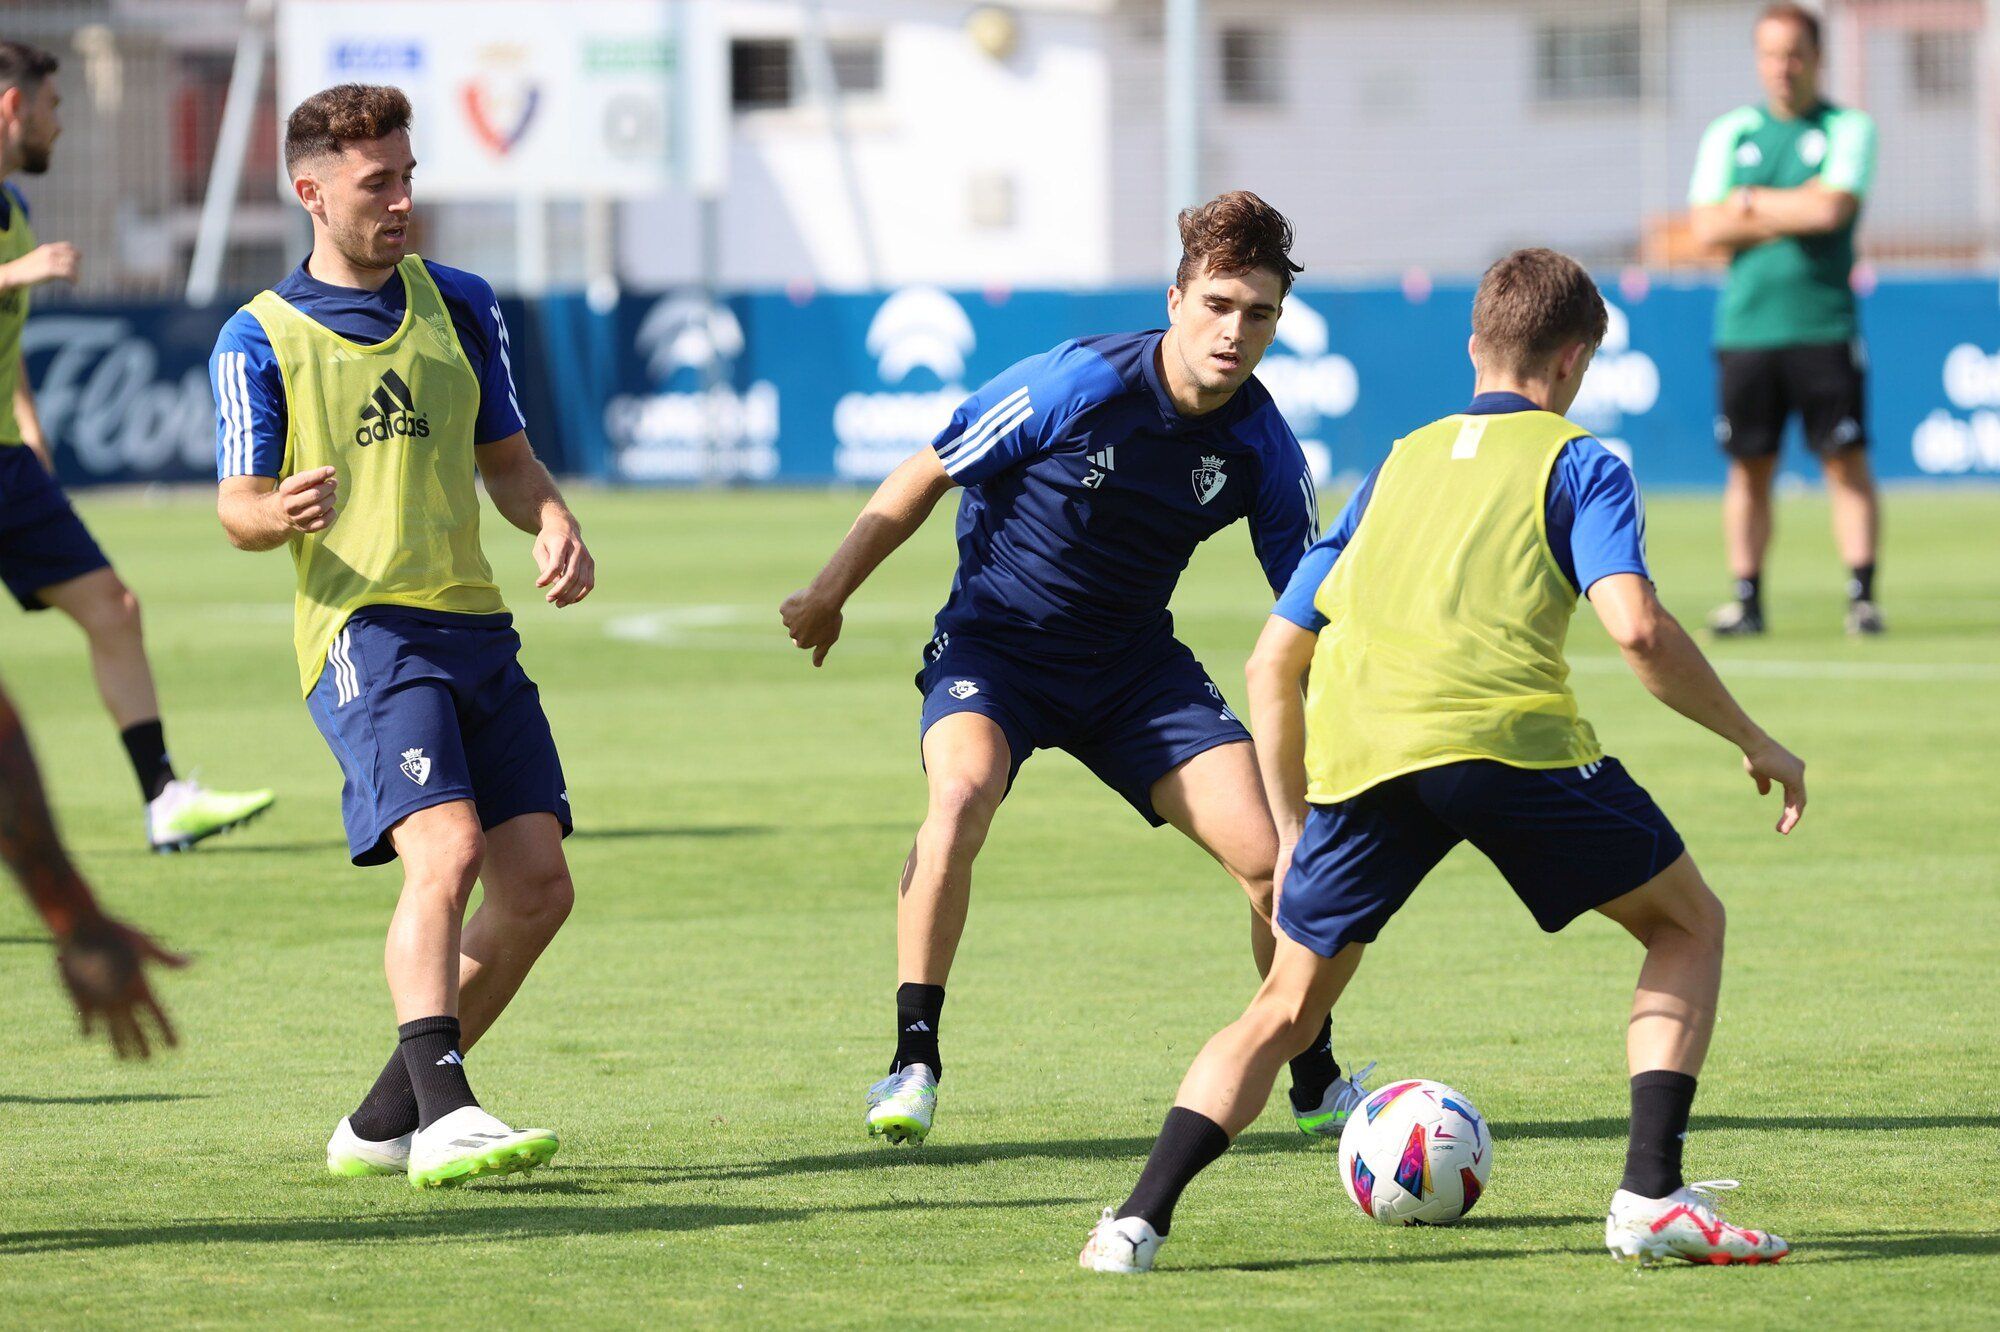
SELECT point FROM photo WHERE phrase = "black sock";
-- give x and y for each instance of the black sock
(917, 1011)
(389, 1110)
(1861, 583)
(146, 746)
(1188, 1144)
(1661, 1100)
(437, 1071)
(1315, 1070)
(1750, 593)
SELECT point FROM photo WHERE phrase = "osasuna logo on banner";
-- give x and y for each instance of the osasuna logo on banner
(1944, 444)
(918, 333)
(1312, 384)
(104, 402)
(694, 425)
(1620, 383)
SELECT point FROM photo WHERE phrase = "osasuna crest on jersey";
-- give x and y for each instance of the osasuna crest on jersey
(1208, 479)
(415, 766)
(962, 689)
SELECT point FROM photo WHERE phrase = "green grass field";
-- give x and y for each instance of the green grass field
(703, 1030)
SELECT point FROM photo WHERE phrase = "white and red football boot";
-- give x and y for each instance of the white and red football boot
(1684, 1225)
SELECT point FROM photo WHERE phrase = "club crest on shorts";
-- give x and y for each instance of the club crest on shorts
(1209, 480)
(962, 689)
(415, 766)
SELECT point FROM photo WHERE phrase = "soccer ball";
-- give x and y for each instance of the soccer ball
(1415, 1153)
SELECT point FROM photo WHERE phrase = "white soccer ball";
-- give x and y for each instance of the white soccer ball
(1415, 1153)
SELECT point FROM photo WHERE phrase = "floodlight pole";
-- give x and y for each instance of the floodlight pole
(232, 145)
(1183, 115)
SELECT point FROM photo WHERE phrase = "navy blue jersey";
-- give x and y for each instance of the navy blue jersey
(1086, 494)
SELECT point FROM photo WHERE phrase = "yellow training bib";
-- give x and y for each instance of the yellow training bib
(395, 421)
(17, 238)
(1446, 615)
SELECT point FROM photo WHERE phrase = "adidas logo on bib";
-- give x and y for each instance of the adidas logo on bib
(391, 413)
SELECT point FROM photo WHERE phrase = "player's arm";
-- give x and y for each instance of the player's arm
(1810, 209)
(1673, 669)
(1831, 199)
(1716, 209)
(101, 960)
(259, 511)
(813, 614)
(263, 513)
(1730, 226)
(1274, 678)
(527, 496)
(53, 261)
(28, 419)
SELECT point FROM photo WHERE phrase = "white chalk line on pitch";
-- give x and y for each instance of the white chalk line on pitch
(697, 626)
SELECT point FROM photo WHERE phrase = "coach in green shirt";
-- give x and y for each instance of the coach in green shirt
(1780, 186)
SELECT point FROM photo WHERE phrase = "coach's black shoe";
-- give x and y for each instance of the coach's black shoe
(1733, 619)
(1864, 619)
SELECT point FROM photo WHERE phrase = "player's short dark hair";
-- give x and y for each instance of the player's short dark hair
(1792, 13)
(346, 113)
(23, 66)
(1232, 234)
(1532, 304)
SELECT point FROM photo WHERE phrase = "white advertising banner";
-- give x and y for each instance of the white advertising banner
(522, 98)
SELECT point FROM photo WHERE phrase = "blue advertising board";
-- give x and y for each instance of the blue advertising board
(771, 387)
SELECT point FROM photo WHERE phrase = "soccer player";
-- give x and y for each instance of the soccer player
(1091, 473)
(1780, 187)
(47, 556)
(356, 399)
(102, 961)
(1430, 622)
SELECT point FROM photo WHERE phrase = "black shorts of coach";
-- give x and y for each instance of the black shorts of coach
(1760, 389)
(1567, 840)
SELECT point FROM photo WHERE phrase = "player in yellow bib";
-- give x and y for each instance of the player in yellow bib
(1429, 627)
(357, 401)
(47, 556)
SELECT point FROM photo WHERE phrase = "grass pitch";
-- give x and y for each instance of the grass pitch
(702, 1031)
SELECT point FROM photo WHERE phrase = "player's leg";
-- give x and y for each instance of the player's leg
(1749, 425)
(526, 896)
(1831, 389)
(1356, 864)
(178, 813)
(1217, 800)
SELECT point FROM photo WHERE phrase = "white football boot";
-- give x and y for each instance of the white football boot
(348, 1153)
(1684, 1225)
(469, 1143)
(1125, 1246)
(902, 1105)
(1329, 1117)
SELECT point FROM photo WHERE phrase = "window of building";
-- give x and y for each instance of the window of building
(1252, 67)
(1583, 60)
(1941, 67)
(857, 64)
(762, 73)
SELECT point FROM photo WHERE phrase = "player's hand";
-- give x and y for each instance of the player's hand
(306, 499)
(57, 261)
(103, 963)
(812, 621)
(564, 565)
(1279, 869)
(1768, 762)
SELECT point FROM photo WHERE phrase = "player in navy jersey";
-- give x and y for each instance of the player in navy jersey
(1090, 474)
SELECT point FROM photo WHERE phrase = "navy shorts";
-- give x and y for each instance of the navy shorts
(42, 541)
(422, 708)
(1131, 717)
(1568, 840)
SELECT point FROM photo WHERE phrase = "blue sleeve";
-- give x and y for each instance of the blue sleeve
(1285, 522)
(249, 401)
(475, 312)
(20, 201)
(1020, 412)
(1296, 602)
(1608, 530)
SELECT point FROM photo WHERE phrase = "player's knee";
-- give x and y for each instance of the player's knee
(963, 804)
(1705, 920)
(543, 910)
(449, 866)
(1280, 1023)
(114, 614)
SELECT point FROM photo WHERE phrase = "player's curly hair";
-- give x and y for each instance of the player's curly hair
(346, 113)
(1532, 304)
(1232, 234)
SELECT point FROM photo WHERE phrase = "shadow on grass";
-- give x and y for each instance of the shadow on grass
(588, 834)
(26, 940)
(506, 1212)
(106, 1098)
(1610, 1127)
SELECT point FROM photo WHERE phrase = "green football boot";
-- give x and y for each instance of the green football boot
(468, 1143)
(901, 1106)
(1329, 1117)
(188, 812)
